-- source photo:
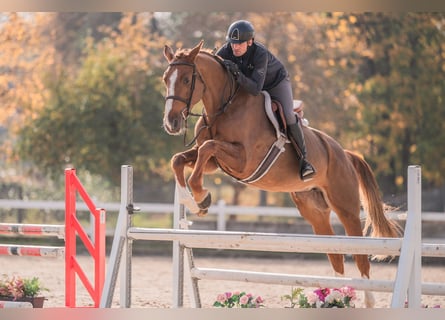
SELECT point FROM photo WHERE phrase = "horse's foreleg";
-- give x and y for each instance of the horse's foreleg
(180, 160)
(210, 150)
(178, 163)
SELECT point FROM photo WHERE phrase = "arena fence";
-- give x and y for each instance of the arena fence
(407, 286)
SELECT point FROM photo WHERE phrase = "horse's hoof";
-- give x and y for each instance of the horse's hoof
(205, 204)
(202, 213)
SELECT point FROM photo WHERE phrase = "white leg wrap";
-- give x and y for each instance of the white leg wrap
(185, 198)
(369, 298)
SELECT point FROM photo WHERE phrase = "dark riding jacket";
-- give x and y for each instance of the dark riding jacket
(260, 69)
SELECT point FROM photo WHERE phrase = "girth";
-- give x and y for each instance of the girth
(277, 147)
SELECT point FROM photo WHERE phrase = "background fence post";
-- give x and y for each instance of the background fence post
(408, 278)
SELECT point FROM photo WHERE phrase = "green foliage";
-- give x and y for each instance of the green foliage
(238, 300)
(107, 114)
(18, 287)
(295, 298)
(32, 287)
(401, 95)
(374, 81)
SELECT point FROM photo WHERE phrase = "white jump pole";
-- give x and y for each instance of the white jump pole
(177, 256)
(180, 252)
(408, 277)
(121, 247)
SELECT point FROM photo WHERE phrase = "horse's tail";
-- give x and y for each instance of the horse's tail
(372, 201)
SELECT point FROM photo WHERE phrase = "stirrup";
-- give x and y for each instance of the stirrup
(307, 171)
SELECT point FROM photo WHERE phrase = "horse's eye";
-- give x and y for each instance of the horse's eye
(186, 80)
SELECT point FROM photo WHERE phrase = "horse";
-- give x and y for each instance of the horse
(234, 134)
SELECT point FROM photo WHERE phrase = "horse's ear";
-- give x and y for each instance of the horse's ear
(168, 53)
(195, 50)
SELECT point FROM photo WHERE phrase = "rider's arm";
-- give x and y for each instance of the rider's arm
(254, 84)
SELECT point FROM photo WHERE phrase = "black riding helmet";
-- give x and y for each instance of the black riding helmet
(240, 31)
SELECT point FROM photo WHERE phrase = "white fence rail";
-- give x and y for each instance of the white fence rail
(407, 285)
(221, 210)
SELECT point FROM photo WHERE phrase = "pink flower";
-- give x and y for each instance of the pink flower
(221, 297)
(348, 292)
(322, 293)
(259, 300)
(228, 295)
(244, 299)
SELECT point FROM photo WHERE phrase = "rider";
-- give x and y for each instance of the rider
(256, 68)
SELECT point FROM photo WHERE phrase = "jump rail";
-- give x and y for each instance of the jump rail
(34, 230)
(406, 286)
(69, 233)
(15, 304)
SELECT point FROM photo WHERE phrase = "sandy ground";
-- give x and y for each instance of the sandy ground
(152, 279)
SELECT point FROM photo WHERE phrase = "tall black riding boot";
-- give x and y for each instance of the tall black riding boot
(295, 133)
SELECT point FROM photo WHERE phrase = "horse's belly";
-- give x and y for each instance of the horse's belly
(283, 176)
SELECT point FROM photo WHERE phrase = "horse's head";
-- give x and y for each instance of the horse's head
(182, 89)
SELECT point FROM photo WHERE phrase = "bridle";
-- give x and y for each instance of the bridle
(186, 111)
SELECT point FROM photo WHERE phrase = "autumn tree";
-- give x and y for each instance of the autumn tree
(109, 112)
(27, 57)
(400, 92)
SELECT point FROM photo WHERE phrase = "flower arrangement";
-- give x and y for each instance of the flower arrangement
(16, 287)
(238, 300)
(322, 298)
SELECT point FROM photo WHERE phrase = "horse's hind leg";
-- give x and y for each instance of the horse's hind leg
(313, 209)
(344, 199)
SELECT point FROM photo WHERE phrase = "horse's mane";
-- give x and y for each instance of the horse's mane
(212, 54)
(184, 53)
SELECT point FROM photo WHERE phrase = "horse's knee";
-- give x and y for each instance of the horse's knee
(177, 161)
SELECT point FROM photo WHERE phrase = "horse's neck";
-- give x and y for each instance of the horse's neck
(217, 84)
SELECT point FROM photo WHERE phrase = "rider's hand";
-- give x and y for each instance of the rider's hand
(232, 67)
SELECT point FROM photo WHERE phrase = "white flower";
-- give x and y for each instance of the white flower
(334, 296)
(312, 298)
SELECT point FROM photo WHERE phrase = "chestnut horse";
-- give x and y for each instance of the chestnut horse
(234, 134)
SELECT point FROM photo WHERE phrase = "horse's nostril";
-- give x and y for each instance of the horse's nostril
(175, 124)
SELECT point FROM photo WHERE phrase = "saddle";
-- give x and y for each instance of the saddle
(274, 111)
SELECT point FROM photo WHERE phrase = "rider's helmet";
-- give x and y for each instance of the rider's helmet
(240, 31)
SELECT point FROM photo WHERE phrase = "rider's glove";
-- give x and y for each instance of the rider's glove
(232, 67)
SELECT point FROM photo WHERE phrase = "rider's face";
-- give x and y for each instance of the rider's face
(240, 49)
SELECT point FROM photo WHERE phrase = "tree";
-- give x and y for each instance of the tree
(401, 94)
(26, 57)
(106, 114)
